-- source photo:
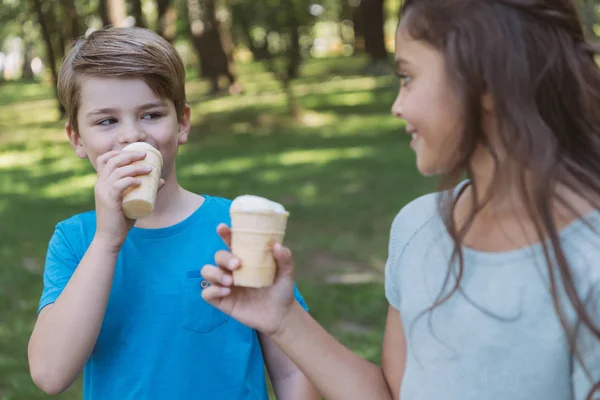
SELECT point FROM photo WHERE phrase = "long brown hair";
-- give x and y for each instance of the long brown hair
(532, 59)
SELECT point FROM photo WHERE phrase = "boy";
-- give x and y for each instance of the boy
(122, 298)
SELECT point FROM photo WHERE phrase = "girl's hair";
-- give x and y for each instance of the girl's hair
(532, 59)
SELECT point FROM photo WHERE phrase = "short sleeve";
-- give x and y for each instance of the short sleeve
(299, 298)
(391, 267)
(61, 262)
(588, 347)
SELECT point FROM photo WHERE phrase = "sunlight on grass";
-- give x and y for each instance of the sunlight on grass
(9, 186)
(322, 156)
(12, 159)
(271, 176)
(308, 193)
(293, 157)
(233, 165)
(316, 119)
(71, 186)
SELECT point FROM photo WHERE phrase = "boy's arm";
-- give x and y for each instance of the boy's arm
(288, 381)
(66, 331)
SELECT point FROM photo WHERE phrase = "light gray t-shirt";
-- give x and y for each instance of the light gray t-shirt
(500, 338)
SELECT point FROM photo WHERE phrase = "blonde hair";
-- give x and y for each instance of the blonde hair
(123, 53)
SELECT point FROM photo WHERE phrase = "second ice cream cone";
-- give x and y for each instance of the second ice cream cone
(252, 239)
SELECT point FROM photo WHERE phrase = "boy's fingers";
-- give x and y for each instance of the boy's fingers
(161, 183)
(131, 170)
(103, 159)
(123, 184)
(285, 262)
(225, 233)
(216, 276)
(225, 259)
(122, 159)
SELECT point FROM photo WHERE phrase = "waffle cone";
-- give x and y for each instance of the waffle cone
(252, 237)
(138, 202)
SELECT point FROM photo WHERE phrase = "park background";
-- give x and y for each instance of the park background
(290, 100)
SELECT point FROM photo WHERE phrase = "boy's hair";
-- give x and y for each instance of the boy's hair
(532, 58)
(122, 53)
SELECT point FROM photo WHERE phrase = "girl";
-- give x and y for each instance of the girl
(493, 283)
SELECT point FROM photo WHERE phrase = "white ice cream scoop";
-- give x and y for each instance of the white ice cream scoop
(251, 203)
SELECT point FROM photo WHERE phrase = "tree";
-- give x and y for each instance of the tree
(273, 32)
(46, 18)
(369, 19)
(137, 12)
(204, 30)
(112, 12)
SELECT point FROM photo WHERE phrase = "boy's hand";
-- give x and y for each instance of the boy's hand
(262, 309)
(115, 175)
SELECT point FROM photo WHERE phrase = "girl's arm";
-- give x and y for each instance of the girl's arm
(336, 371)
(288, 381)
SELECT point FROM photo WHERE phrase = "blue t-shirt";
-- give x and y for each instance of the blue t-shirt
(159, 338)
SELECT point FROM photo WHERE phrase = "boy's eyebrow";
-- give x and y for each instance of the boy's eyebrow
(100, 111)
(151, 105)
(112, 110)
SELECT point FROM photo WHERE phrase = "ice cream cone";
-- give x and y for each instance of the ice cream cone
(138, 202)
(253, 234)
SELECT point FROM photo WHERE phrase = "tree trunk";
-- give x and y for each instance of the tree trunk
(259, 52)
(373, 20)
(167, 17)
(26, 71)
(138, 14)
(117, 12)
(294, 58)
(292, 104)
(71, 28)
(205, 36)
(359, 29)
(112, 12)
(103, 11)
(43, 21)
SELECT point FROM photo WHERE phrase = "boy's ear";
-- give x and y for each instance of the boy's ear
(76, 142)
(184, 126)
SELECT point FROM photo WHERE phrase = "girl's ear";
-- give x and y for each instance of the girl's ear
(76, 142)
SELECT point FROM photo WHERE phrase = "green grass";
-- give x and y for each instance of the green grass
(343, 172)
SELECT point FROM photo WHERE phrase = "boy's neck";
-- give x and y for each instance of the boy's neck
(173, 205)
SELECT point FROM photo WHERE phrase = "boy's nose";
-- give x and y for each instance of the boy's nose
(131, 134)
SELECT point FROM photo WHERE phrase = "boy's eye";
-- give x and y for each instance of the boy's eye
(107, 121)
(150, 116)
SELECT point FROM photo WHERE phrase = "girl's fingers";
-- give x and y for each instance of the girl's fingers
(225, 233)
(226, 260)
(216, 276)
(215, 292)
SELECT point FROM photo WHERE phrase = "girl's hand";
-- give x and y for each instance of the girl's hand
(262, 309)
